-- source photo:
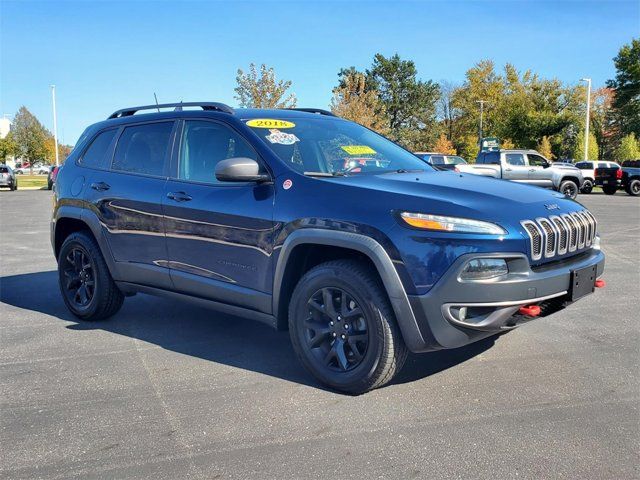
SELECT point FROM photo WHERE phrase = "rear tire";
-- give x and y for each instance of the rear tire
(84, 279)
(609, 190)
(633, 188)
(343, 328)
(587, 186)
(569, 188)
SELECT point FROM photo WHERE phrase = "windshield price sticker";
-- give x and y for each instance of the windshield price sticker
(358, 149)
(282, 138)
(269, 123)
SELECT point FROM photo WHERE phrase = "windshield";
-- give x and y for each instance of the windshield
(332, 146)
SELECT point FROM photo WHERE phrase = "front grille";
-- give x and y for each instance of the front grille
(557, 235)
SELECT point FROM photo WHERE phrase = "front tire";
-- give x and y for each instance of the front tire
(633, 188)
(587, 186)
(569, 188)
(86, 285)
(609, 190)
(343, 328)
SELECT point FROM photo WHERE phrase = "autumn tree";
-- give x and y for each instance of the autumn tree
(544, 148)
(626, 85)
(353, 101)
(30, 136)
(63, 151)
(603, 121)
(629, 148)
(444, 145)
(262, 90)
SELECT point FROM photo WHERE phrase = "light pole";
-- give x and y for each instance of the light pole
(55, 123)
(586, 125)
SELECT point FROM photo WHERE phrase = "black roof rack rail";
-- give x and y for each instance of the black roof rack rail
(319, 111)
(220, 107)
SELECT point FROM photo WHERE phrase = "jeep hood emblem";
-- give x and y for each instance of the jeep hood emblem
(551, 206)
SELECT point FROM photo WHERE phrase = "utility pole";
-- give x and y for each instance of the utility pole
(481, 102)
(55, 123)
(586, 124)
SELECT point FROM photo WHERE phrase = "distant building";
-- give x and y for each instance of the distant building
(5, 126)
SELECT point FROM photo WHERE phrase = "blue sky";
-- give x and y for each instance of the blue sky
(107, 55)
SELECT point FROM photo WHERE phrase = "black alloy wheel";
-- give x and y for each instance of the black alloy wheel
(79, 279)
(569, 188)
(336, 329)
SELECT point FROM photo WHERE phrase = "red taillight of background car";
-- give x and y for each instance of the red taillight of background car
(595, 172)
(619, 173)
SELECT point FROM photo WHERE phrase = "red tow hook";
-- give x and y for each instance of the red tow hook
(600, 283)
(530, 310)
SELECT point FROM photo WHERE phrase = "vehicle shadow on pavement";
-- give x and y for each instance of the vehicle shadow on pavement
(205, 334)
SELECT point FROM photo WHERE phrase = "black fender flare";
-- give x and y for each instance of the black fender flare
(93, 223)
(376, 253)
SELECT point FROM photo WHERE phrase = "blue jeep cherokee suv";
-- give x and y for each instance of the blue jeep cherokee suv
(309, 222)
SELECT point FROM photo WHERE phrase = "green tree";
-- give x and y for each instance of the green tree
(520, 106)
(262, 90)
(8, 147)
(352, 100)
(30, 136)
(410, 104)
(626, 102)
(578, 149)
(629, 148)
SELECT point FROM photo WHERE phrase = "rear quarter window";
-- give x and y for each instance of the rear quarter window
(95, 155)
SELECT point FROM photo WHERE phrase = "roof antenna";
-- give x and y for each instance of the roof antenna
(156, 97)
(178, 108)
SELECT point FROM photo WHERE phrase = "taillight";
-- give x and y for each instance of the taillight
(596, 172)
(619, 173)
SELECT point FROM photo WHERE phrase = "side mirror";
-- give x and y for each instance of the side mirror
(546, 165)
(240, 169)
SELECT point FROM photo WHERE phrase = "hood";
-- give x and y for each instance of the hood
(472, 196)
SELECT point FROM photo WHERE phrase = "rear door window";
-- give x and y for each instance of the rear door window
(94, 156)
(515, 159)
(143, 149)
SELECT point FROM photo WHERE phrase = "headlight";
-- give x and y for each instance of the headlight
(450, 224)
(484, 268)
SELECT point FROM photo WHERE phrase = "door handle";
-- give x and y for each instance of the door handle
(100, 186)
(507, 169)
(179, 196)
(532, 170)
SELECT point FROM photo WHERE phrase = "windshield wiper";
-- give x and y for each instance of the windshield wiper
(404, 170)
(324, 174)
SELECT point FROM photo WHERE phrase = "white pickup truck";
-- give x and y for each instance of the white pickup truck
(527, 166)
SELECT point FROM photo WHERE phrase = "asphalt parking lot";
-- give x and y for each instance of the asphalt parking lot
(166, 390)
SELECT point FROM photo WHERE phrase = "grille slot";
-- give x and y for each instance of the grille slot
(549, 237)
(563, 234)
(558, 235)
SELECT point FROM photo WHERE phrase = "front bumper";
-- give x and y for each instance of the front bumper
(456, 312)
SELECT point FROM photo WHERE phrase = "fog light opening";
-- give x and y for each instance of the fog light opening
(484, 269)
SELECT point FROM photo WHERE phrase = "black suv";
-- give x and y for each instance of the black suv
(309, 222)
